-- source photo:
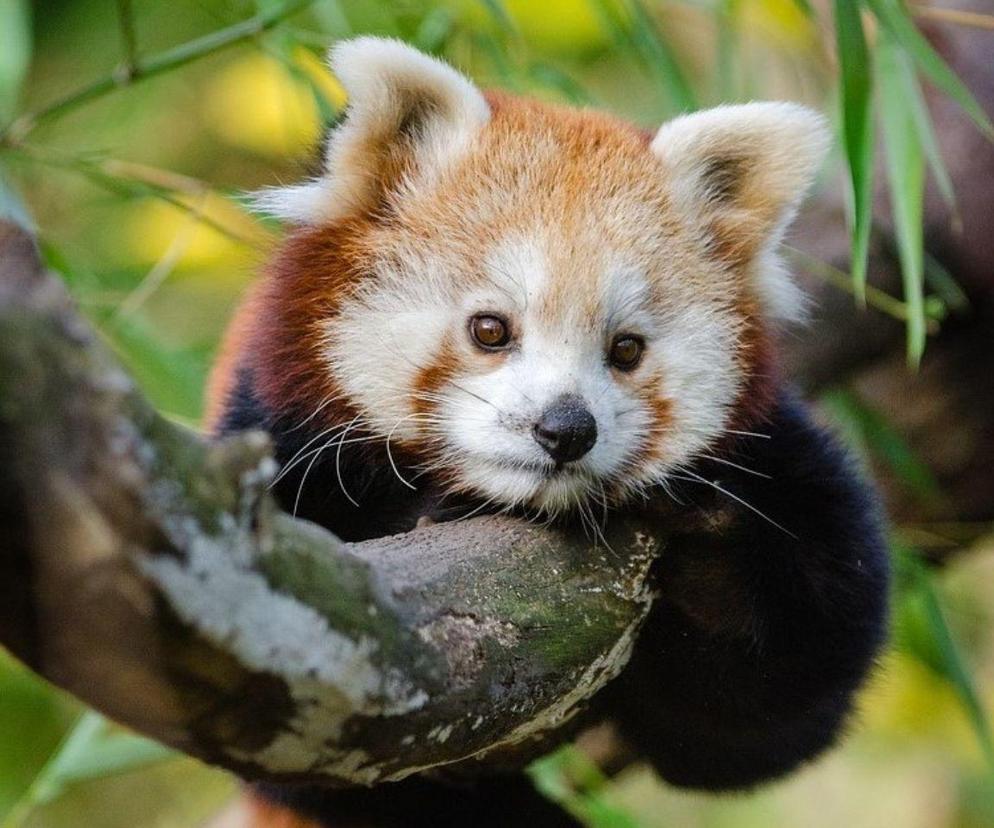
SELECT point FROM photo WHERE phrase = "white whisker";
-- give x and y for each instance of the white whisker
(696, 478)
(338, 463)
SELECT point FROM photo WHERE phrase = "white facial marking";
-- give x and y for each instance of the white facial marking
(482, 417)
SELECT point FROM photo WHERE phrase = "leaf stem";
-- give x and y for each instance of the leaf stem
(155, 65)
(875, 298)
(959, 17)
(129, 42)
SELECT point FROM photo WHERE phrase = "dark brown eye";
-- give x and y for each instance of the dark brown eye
(489, 332)
(626, 351)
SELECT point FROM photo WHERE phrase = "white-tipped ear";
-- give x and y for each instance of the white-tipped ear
(408, 117)
(739, 174)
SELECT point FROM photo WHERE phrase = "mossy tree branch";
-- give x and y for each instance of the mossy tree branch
(148, 572)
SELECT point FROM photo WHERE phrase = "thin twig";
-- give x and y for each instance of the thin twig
(975, 20)
(156, 64)
(129, 42)
(131, 179)
(876, 298)
(165, 265)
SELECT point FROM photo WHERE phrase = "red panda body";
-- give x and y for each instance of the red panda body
(488, 303)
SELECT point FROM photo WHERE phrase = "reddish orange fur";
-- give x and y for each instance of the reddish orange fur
(278, 328)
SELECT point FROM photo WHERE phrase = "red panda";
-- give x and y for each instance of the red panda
(491, 303)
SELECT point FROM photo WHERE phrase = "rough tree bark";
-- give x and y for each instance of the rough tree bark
(149, 573)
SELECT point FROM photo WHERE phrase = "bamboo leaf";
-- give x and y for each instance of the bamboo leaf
(926, 132)
(905, 163)
(945, 286)
(90, 750)
(899, 25)
(501, 16)
(332, 19)
(33, 719)
(857, 132)
(93, 750)
(874, 434)
(15, 53)
(608, 14)
(158, 64)
(173, 378)
(727, 48)
(568, 778)
(935, 306)
(554, 78)
(947, 658)
(661, 58)
(435, 30)
(328, 111)
(504, 71)
(633, 30)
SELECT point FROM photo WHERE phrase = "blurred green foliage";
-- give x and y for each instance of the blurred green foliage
(128, 131)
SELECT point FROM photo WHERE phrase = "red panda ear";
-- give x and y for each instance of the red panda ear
(408, 117)
(739, 173)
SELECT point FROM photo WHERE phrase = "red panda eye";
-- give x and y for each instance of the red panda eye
(626, 351)
(489, 332)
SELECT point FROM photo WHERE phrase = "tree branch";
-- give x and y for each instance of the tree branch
(148, 572)
(134, 69)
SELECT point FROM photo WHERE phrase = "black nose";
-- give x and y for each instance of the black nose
(566, 430)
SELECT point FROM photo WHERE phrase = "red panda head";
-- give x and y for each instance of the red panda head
(539, 304)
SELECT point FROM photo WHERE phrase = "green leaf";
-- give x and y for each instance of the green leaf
(661, 58)
(895, 20)
(923, 124)
(501, 16)
(609, 15)
(332, 19)
(727, 49)
(571, 780)
(92, 750)
(33, 719)
(551, 77)
(435, 30)
(122, 186)
(906, 179)
(172, 378)
(505, 72)
(945, 286)
(872, 433)
(947, 657)
(15, 53)
(328, 112)
(634, 31)
(857, 132)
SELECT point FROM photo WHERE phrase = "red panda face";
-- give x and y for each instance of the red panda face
(544, 307)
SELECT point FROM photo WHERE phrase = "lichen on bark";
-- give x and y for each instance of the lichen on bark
(151, 574)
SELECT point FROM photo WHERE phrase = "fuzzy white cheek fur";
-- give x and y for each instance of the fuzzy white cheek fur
(478, 424)
(488, 420)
